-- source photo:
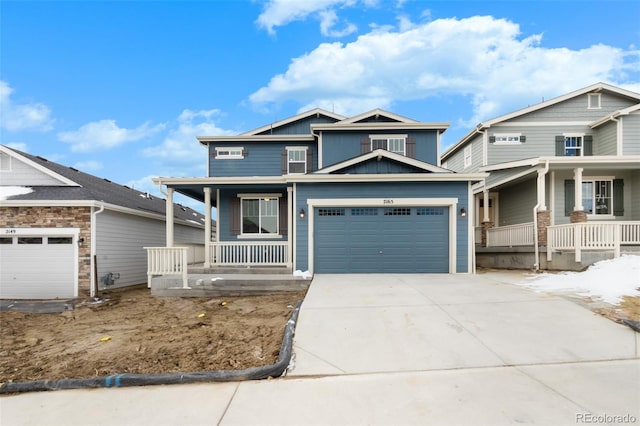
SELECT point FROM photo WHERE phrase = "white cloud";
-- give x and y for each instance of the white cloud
(25, 116)
(88, 166)
(20, 146)
(281, 12)
(484, 58)
(180, 147)
(105, 134)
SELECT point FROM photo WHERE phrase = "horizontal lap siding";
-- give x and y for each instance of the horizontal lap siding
(517, 202)
(605, 139)
(457, 190)
(23, 175)
(575, 109)
(228, 196)
(300, 127)
(631, 132)
(262, 159)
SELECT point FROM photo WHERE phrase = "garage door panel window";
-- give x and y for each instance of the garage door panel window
(59, 240)
(6, 240)
(364, 212)
(331, 212)
(429, 211)
(30, 240)
(397, 211)
(259, 216)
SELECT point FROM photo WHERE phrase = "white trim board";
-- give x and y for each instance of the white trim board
(40, 168)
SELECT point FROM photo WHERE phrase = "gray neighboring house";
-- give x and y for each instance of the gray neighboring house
(64, 233)
(564, 175)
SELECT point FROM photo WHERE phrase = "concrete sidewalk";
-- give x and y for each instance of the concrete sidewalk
(400, 349)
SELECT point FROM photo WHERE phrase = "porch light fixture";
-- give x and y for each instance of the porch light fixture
(301, 213)
(463, 212)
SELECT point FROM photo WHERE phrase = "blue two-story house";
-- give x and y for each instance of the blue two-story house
(324, 193)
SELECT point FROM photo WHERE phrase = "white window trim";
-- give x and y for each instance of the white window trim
(297, 148)
(387, 137)
(597, 96)
(574, 135)
(507, 135)
(229, 156)
(468, 156)
(594, 179)
(244, 235)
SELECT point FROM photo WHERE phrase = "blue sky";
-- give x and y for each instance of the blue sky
(120, 89)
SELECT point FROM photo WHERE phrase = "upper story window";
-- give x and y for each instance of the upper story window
(229, 153)
(296, 161)
(259, 216)
(594, 100)
(573, 146)
(597, 196)
(392, 143)
(468, 156)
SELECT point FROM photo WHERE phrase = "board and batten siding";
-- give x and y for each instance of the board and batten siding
(631, 134)
(120, 242)
(522, 197)
(261, 159)
(381, 190)
(605, 139)
(576, 109)
(16, 173)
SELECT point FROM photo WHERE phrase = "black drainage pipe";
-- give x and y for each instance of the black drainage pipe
(126, 379)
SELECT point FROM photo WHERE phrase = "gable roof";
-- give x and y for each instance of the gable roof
(626, 111)
(376, 113)
(315, 111)
(86, 188)
(598, 87)
(382, 153)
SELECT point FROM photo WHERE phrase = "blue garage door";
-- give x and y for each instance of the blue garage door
(374, 239)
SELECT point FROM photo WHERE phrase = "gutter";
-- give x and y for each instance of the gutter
(536, 265)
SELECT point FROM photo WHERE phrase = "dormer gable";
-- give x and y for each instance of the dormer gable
(18, 170)
(381, 161)
(377, 116)
(299, 124)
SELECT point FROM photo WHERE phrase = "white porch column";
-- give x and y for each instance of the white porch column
(169, 212)
(542, 195)
(217, 215)
(290, 216)
(485, 203)
(577, 177)
(207, 227)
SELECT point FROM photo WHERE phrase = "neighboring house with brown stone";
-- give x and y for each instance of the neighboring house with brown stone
(65, 233)
(564, 175)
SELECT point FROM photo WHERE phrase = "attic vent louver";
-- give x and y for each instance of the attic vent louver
(75, 170)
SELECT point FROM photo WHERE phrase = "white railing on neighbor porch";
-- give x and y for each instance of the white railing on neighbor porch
(250, 253)
(512, 235)
(167, 261)
(592, 236)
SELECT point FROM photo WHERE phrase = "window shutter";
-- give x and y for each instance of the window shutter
(588, 145)
(569, 196)
(523, 138)
(285, 162)
(411, 147)
(309, 160)
(618, 197)
(235, 216)
(560, 146)
(283, 216)
(245, 152)
(492, 139)
(365, 145)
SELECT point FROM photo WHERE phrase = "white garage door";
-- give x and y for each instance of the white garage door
(38, 265)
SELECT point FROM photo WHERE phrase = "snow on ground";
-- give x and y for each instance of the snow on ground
(10, 191)
(607, 280)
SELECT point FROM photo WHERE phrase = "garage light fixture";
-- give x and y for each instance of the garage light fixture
(301, 213)
(463, 212)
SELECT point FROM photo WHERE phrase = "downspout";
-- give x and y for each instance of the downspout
(94, 275)
(536, 265)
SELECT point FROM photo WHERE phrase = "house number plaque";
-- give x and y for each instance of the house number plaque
(387, 201)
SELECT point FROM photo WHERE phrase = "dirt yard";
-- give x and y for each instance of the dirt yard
(134, 332)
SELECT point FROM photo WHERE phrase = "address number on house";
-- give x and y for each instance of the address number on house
(387, 201)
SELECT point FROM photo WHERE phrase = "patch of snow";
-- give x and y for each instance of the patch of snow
(217, 278)
(607, 280)
(299, 273)
(11, 191)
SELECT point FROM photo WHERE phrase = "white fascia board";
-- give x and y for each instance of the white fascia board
(381, 126)
(259, 138)
(315, 111)
(510, 165)
(630, 110)
(399, 177)
(606, 160)
(38, 167)
(386, 154)
(509, 179)
(543, 124)
(377, 112)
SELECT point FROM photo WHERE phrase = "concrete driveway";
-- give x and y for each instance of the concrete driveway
(401, 350)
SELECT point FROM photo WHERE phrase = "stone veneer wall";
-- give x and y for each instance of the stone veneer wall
(57, 217)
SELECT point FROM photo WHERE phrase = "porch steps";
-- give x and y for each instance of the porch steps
(244, 270)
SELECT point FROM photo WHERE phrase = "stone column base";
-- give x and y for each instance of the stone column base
(544, 219)
(485, 226)
(578, 216)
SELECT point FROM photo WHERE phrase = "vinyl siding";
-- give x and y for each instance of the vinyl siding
(300, 127)
(262, 159)
(22, 174)
(517, 202)
(575, 109)
(455, 162)
(633, 188)
(457, 190)
(120, 242)
(605, 139)
(631, 132)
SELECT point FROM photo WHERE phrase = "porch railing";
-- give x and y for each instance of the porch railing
(512, 235)
(250, 253)
(592, 236)
(167, 261)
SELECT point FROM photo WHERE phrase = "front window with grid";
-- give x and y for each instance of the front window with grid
(597, 197)
(297, 161)
(573, 146)
(396, 145)
(260, 216)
